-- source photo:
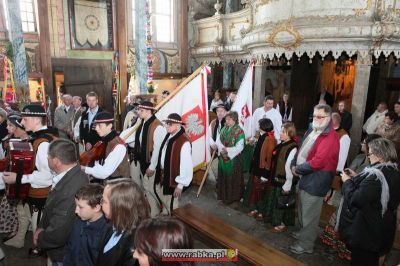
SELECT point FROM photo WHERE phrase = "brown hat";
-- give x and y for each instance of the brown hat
(146, 105)
(104, 117)
(174, 118)
(33, 110)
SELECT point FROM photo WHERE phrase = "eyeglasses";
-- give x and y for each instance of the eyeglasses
(320, 116)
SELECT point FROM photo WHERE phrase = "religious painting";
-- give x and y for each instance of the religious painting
(277, 81)
(338, 79)
(91, 23)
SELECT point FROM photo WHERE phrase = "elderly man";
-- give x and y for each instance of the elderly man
(376, 119)
(175, 165)
(59, 212)
(268, 111)
(62, 116)
(315, 163)
(77, 112)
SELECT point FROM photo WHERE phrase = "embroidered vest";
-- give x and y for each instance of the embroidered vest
(172, 162)
(123, 168)
(144, 149)
(279, 157)
(38, 138)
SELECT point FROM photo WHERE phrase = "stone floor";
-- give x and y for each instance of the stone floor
(234, 215)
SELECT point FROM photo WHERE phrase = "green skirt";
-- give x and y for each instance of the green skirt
(274, 215)
(247, 155)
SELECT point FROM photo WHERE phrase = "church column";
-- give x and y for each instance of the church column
(122, 47)
(140, 44)
(45, 49)
(360, 92)
(259, 84)
(3, 26)
(17, 41)
(183, 33)
(227, 76)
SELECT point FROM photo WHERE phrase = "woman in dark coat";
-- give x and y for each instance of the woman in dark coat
(368, 212)
(125, 206)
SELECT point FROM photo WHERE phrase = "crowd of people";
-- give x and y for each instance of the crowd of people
(283, 170)
(97, 197)
(83, 202)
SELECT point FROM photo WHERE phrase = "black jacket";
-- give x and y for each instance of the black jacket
(120, 254)
(83, 246)
(59, 213)
(89, 135)
(361, 223)
(347, 121)
(3, 130)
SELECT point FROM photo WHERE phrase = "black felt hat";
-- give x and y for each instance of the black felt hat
(33, 110)
(15, 120)
(104, 117)
(220, 106)
(146, 105)
(174, 118)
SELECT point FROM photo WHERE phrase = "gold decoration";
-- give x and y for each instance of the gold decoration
(361, 11)
(263, 3)
(233, 25)
(283, 28)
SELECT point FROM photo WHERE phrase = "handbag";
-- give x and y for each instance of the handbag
(286, 201)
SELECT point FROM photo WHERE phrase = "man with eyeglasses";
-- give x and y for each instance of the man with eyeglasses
(175, 165)
(315, 164)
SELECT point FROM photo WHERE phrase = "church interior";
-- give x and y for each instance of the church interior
(121, 49)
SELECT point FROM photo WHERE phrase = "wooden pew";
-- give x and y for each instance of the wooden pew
(216, 233)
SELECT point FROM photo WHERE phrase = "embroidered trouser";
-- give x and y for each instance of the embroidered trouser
(169, 203)
(148, 185)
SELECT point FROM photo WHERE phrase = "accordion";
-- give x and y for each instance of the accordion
(22, 161)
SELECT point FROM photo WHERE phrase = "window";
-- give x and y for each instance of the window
(133, 18)
(5, 14)
(27, 16)
(163, 18)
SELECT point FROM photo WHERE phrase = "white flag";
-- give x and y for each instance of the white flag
(244, 102)
(190, 102)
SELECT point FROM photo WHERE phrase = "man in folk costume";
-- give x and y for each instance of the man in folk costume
(115, 164)
(34, 120)
(214, 129)
(175, 165)
(260, 169)
(87, 132)
(148, 139)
